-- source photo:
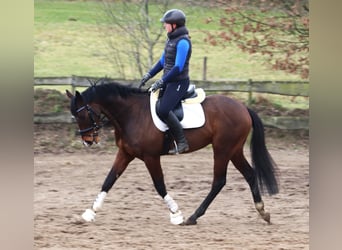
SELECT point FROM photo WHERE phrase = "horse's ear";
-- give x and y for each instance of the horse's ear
(78, 98)
(69, 94)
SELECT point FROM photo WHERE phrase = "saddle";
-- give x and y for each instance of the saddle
(189, 111)
(189, 97)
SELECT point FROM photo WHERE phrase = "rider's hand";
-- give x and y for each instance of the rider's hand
(157, 85)
(144, 79)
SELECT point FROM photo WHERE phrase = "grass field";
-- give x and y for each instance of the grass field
(68, 40)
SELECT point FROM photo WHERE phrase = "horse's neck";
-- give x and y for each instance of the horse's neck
(125, 111)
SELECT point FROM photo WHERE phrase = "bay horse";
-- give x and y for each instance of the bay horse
(227, 125)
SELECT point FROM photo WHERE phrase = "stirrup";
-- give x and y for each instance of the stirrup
(176, 150)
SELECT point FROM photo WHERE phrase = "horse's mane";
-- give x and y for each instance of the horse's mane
(110, 88)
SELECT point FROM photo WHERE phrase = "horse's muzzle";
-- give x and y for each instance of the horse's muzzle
(88, 140)
(87, 143)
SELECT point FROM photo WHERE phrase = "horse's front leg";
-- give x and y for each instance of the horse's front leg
(156, 172)
(120, 164)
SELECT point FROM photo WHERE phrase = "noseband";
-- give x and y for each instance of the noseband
(91, 114)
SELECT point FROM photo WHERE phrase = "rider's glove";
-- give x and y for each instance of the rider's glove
(144, 79)
(157, 85)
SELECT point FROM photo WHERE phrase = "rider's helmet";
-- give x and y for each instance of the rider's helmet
(174, 16)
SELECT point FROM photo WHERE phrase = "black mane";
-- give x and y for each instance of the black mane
(105, 89)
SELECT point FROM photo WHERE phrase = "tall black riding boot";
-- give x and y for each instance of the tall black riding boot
(177, 132)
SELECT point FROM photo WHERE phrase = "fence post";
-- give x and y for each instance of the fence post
(250, 82)
(204, 68)
(73, 85)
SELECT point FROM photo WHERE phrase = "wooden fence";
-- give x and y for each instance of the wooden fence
(288, 88)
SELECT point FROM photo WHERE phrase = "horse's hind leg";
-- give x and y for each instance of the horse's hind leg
(220, 172)
(248, 173)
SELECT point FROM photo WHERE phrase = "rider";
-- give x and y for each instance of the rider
(175, 80)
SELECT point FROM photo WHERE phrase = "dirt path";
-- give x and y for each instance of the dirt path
(135, 217)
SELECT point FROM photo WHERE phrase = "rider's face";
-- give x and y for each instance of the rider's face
(168, 27)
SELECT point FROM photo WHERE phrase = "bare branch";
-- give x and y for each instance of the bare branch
(132, 29)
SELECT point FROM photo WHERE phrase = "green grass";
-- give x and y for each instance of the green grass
(68, 40)
(64, 47)
(46, 11)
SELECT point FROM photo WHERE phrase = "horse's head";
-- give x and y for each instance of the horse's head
(88, 118)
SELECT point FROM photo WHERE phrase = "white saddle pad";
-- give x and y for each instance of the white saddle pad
(193, 112)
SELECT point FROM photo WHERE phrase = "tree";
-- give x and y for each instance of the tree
(277, 29)
(133, 34)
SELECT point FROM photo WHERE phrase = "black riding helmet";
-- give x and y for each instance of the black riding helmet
(174, 16)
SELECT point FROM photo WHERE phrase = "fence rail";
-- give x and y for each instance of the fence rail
(288, 88)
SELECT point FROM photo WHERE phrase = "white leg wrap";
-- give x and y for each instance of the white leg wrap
(176, 216)
(171, 204)
(99, 201)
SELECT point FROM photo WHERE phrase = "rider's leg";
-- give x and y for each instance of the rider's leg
(178, 133)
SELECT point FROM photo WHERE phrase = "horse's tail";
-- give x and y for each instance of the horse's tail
(262, 162)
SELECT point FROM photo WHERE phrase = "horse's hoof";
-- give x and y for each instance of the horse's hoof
(190, 222)
(267, 217)
(177, 218)
(89, 215)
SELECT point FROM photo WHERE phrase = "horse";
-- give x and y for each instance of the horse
(228, 124)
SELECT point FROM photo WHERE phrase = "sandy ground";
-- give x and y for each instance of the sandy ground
(135, 217)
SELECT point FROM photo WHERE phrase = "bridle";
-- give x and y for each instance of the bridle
(94, 125)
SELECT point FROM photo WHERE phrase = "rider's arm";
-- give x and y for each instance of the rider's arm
(157, 67)
(183, 47)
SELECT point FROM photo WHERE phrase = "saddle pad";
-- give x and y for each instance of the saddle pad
(193, 114)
